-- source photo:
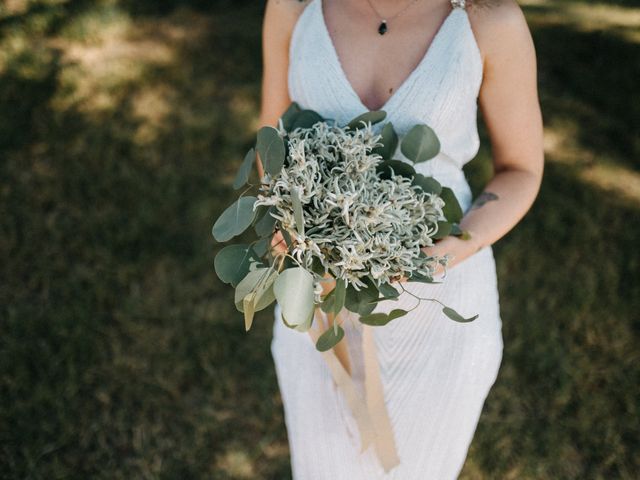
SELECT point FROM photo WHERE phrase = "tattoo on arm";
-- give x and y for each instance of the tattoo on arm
(483, 198)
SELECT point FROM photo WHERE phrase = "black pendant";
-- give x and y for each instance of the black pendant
(382, 29)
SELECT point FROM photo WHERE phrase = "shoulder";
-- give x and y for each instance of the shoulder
(499, 26)
(281, 16)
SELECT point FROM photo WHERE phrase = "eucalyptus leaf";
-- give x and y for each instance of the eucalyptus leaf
(389, 142)
(384, 299)
(270, 146)
(260, 211)
(306, 119)
(261, 246)
(397, 166)
(388, 291)
(361, 301)
(260, 297)
(381, 319)
(415, 277)
(328, 302)
(245, 169)
(420, 144)
(453, 315)
(316, 266)
(248, 308)
(297, 210)
(294, 291)
(248, 284)
(452, 210)
(265, 295)
(258, 287)
(373, 117)
(235, 219)
(266, 224)
(428, 184)
(329, 338)
(306, 325)
(444, 229)
(287, 239)
(289, 116)
(232, 263)
(340, 291)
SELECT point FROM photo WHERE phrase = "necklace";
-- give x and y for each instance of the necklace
(384, 23)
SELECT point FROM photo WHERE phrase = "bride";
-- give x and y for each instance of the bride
(421, 61)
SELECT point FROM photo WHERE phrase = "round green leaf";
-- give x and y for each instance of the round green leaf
(330, 338)
(452, 210)
(397, 166)
(420, 144)
(232, 263)
(294, 291)
(248, 284)
(265, 225)
(289, 116)
(428, 184)
(306, 325)
(389, 142)
(234, 220)
(264, 293)
(361, 301)
(388, 291)
(270, 146)
(245, 169)
(306, 119)
(261, 246)
(444, 229)
(373, 117)
(259, 281)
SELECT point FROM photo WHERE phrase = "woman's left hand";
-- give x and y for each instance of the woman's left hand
(457, 248)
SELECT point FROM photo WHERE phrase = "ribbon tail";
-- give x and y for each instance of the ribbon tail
(345, 383)
(384, 439)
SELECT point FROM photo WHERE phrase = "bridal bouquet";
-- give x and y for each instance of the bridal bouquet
(349, 214)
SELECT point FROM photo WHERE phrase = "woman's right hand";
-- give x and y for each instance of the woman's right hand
(278, 245)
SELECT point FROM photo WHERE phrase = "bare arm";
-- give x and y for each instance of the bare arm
(510, 107)
(279, 19)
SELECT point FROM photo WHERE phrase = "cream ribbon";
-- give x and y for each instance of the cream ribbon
(370, 414)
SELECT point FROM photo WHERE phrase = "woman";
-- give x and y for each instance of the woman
(421, 61)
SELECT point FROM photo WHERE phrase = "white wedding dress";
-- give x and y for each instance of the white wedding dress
(436, 373)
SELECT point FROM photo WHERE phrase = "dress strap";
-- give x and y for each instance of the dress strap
(458, 3)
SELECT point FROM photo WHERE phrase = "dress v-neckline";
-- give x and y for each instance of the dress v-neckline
(423, 61)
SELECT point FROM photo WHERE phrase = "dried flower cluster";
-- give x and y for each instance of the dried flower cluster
(357, 223)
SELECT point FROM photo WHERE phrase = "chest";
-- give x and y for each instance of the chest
(375, 65)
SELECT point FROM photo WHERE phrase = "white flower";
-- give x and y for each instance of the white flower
(356, 224)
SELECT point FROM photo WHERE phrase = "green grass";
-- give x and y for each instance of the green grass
(121, 354)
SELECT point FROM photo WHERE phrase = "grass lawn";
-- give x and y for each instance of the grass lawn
(121, 355)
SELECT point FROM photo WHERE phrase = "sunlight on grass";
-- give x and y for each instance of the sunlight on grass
(236, 463)
(14, 7)
(624, 21)
(106, 53)
(152, 105)
(561, 146)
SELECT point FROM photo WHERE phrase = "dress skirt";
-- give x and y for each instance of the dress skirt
(436, 374)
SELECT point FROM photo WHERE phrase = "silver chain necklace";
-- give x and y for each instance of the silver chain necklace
(384, 22)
